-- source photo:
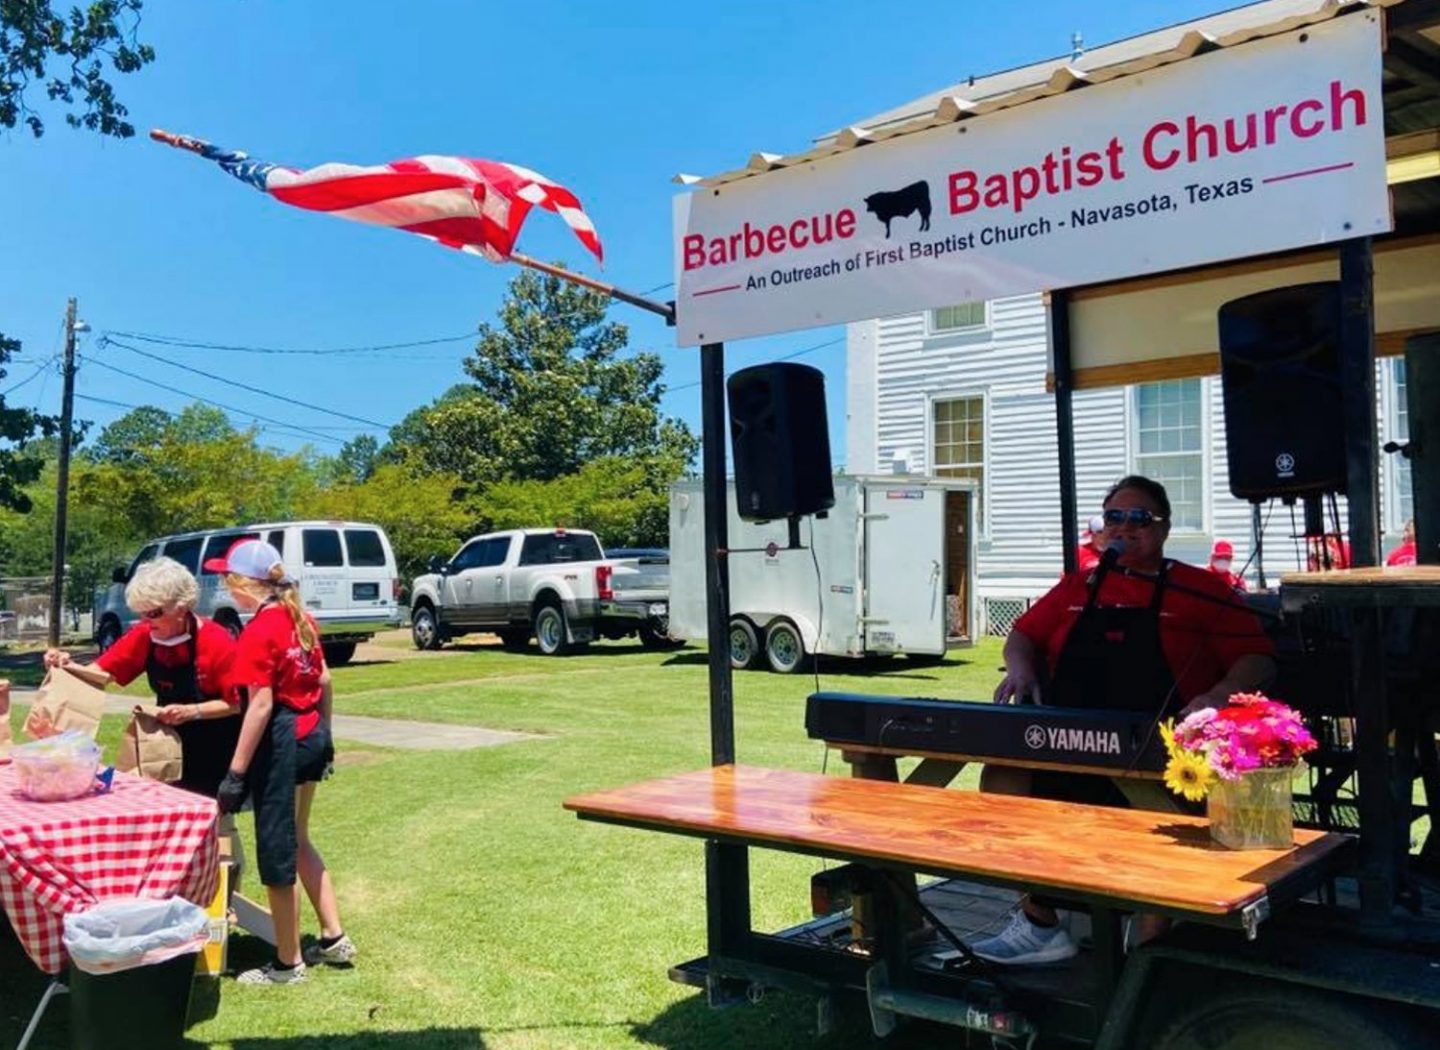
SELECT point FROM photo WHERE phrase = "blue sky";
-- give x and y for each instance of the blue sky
(611, 99)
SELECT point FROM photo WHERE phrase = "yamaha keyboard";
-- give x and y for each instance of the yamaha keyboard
(1108, 742)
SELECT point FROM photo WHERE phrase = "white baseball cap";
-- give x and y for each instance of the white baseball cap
(252, 558)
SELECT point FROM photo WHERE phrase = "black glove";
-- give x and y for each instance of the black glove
(327, 755)
(231, 795)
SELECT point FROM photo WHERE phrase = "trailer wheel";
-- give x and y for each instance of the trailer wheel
(744, 644)
(784, 650)
(1282, 1017)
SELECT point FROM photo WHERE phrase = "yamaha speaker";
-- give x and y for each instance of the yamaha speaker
(781, 441)
(1280, 368)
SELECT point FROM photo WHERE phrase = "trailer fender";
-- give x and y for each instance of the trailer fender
(1163, 979)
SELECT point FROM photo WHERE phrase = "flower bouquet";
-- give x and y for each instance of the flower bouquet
(1241, 759)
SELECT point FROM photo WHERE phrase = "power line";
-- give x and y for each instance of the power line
(43, 365)
(207, 401)
(245, 386)
(288, 432)
(177, 341)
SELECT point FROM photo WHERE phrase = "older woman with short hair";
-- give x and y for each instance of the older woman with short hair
(187, 660)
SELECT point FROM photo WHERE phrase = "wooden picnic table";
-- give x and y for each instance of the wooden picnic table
(1113, 858)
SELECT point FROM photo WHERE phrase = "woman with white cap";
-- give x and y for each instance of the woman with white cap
(284, 741)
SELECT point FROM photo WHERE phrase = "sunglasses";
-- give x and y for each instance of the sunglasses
(154, 614)
(1137, 516)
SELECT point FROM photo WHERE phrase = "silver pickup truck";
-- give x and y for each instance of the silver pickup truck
(555, 585)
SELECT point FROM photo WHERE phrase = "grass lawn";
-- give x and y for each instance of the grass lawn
(489, 917)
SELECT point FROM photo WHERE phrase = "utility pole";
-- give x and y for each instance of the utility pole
(62, 482)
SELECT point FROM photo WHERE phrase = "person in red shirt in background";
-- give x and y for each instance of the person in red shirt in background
(1087, 555)
(284, 742)
(1330, 548)
(1222, 556)
(1405, 554)
(1147, 634)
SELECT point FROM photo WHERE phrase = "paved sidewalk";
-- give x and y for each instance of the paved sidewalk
(381, 732)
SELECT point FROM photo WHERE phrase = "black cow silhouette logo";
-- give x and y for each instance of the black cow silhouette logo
(888, 205)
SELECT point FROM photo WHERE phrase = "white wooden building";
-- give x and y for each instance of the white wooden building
(961, 391)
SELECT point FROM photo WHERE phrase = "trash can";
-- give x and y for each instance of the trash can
(131, 966)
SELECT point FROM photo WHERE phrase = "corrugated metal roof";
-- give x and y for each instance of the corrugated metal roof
(1016, 87)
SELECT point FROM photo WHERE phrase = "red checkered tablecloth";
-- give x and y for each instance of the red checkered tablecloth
(142, 839)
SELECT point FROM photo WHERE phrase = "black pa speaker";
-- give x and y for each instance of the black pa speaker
(781, 441)
(1280, 369)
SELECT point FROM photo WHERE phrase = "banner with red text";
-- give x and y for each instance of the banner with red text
(1265, 146)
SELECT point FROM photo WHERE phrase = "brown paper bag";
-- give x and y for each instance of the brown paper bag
(5, 738)
(150, 747)
(67, 700)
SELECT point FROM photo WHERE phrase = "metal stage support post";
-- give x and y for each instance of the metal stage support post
(1379, 823)
(727, 867)
(1357, 380)
(1058, 305)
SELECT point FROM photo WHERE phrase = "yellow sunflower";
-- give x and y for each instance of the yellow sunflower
(1189, 774)
(1167, 734)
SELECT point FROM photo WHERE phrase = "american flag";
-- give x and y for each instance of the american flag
(474, 205)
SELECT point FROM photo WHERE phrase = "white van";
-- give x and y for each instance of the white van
(346, 571)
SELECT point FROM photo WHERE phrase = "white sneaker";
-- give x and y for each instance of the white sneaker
(341, 953)
(1022, 943)
(270, 974)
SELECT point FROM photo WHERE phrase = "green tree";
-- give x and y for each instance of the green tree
(79, 44)
(193, 471)
(354, 463)
(129, 438)
(611, 497)
(20, 462)
(423, 516)
(550, 392)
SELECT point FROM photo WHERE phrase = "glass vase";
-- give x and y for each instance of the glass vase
(1252, 812)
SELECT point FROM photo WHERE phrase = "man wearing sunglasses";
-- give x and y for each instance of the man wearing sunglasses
(1140, 632)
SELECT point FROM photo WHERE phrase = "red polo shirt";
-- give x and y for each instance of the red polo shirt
(270, 655)
(1201, 638)
(126, 660)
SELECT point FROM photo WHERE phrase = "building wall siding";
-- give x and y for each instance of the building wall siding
(898, 367)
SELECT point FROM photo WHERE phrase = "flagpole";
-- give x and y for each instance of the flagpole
(665, 310)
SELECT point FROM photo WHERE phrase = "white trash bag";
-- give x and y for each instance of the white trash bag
(123, 934)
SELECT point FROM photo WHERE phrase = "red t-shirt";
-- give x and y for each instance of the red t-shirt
(1402, 555)
(270, 655)
(1234, 579)
(1087, 557)
(126, 660)
(1201, 638)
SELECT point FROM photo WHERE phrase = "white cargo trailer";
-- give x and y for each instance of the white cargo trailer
(890, 569)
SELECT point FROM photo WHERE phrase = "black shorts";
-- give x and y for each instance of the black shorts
(271, 781)
(311, 764)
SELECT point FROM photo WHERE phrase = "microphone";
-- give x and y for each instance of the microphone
(1107, 563)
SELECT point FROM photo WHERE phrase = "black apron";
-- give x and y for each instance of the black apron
(1113, 657)
(207, 745)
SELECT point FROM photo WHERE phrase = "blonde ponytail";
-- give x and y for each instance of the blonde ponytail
(287, 592)
(290, 596)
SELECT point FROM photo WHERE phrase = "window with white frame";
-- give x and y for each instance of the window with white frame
(958, 317)
(1400, 431)
(1169, 445)
(958, 433)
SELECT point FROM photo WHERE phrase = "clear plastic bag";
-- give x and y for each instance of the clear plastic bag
(123, 934)
(57, 767)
